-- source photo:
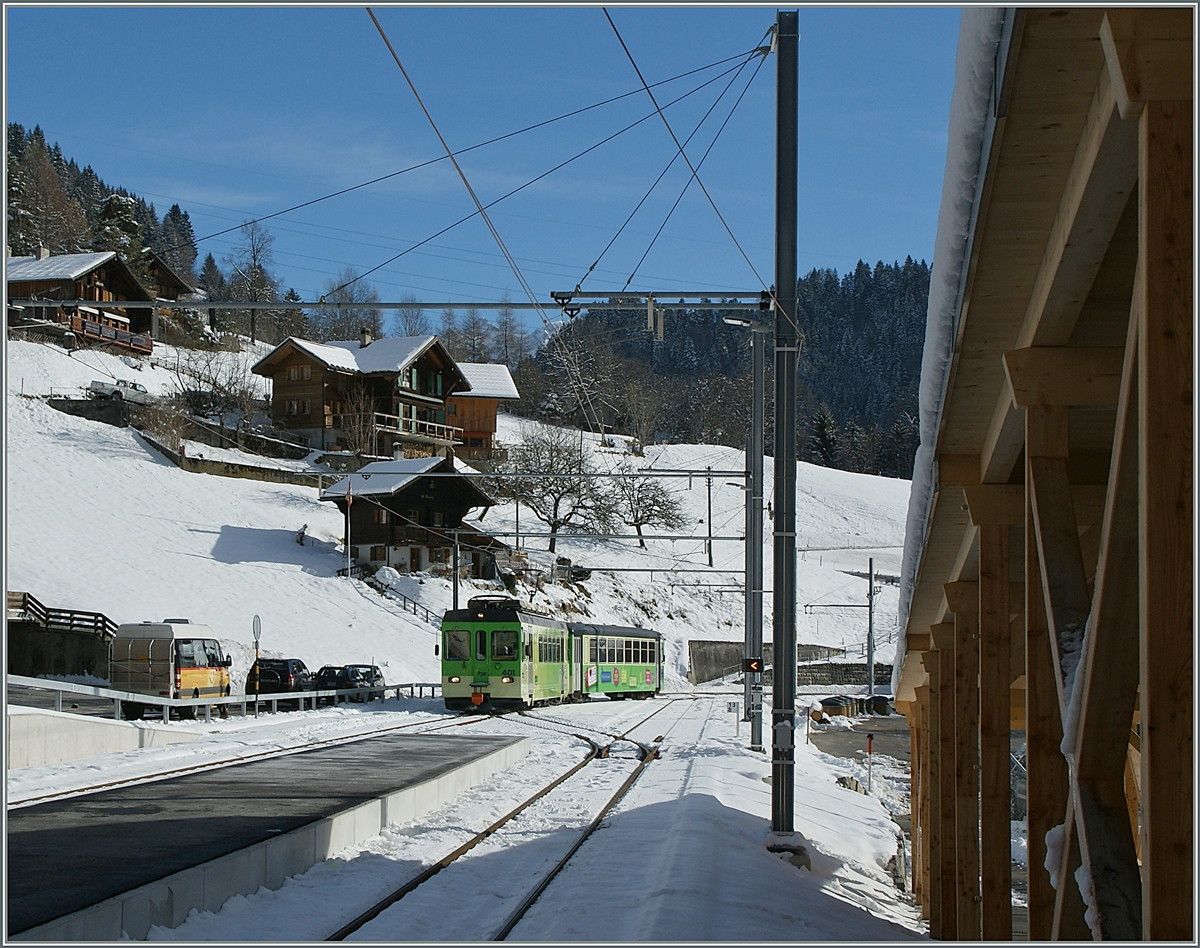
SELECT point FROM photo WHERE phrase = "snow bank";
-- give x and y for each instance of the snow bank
(974, 74)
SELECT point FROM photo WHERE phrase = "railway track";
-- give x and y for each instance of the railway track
(418, 727)
(645, 753)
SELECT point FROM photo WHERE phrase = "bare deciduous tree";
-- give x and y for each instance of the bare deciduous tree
(644, 502)
(358, 416)
(573, 499)
(411, 320)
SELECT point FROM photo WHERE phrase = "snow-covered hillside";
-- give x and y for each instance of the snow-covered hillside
(96, 519)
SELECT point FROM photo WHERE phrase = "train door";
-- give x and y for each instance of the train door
(528, 647)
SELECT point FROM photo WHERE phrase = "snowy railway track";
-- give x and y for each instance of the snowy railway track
(417, 727)
(453, 894)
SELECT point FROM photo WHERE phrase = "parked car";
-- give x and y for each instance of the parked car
(331, 677)
(279, 676)
(373, 677)
(129, 391)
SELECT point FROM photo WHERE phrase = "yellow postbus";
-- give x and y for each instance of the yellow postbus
(170, 659)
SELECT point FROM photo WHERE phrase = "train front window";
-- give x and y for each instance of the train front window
(504, 644)
(480, 645)
(458, 645)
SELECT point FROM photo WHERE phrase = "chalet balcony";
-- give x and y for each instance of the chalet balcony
(423, 432)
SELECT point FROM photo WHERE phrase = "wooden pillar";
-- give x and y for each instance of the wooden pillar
(995, 851)
(963, 600)
(943, 870)
(1046, 783)
(920, 804)
(1165, 407)
(934, 827)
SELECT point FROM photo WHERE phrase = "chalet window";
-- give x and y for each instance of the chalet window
(306, 372)
(378, 553)
(439, 518)
(474, 442)
(452, 409)
(380, 515)
(439, 555)
(413, 516)
(293, 407)
(306, 407)
(293, 372)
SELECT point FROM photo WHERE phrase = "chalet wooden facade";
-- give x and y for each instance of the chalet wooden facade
(1052, 592)
(167, 284)
(375, 396)
(475, 410)
(100, 278)
(400, 516)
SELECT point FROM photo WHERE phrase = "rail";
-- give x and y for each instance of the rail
(22, 605)
(406, 604)
(414, 689)
(418, 428)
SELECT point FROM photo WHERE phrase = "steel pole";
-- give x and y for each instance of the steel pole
(870, 629)
(754, 537)
(787, 343)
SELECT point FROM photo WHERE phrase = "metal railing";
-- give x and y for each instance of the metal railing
(22, 605)
(414, 689)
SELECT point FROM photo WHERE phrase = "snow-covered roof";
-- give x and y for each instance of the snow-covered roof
(389, 354)
(381, 477)
(64, 266)
(488, 380)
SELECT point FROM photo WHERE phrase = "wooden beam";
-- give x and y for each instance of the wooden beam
(1064, 583)
(1149, 56)
(990, 504)
(995, 782)
(922, 801)
(1069, 924)
(1165, 419)
(957, 470)
(1047, 783)
(1063, 375)
(1109, 684)
(940, 859)
(918, 642)
(963, 599)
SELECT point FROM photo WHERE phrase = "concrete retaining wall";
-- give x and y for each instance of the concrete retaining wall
(207, 887)
(708, 659)
(36, 737)
(33, 651)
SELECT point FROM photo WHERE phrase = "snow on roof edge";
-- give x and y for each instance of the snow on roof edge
(974, 74)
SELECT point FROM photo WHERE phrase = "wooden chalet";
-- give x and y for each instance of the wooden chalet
(475, 410)
(400, 516)
(1051, 590)
(390, 392)
(168, 285)
(40, 285)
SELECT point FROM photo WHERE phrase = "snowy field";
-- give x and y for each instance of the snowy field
(97, 520)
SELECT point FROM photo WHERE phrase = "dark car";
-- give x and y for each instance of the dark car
(279, 676)
(331, 677)
(372, 676)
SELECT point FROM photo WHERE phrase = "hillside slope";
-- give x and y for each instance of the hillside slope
(98, 520)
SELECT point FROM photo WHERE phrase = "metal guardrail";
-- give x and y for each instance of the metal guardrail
(414, 689)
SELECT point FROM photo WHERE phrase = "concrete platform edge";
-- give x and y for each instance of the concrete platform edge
(267, 864)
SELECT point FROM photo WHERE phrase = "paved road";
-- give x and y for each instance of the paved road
(68, 854)
(891, 737)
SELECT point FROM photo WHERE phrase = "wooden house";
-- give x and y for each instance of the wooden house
(1047, 596)
(167, 284)
(40, 286)
(401, 516)
(475, 410)
(371, 395)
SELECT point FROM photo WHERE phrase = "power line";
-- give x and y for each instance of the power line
(713, 203)
(423, 164)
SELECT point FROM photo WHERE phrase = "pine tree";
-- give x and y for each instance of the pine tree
(824, 440)
(41, 213)
(178, 243)
(212, 280)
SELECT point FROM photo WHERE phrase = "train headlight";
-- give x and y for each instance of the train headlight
(454, 679)
(506, 680)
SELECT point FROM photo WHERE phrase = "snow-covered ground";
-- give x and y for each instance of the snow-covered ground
(98, 520)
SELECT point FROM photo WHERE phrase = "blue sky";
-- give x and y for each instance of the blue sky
(237, 112)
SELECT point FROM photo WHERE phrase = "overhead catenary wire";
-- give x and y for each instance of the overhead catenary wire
(582, 391)
(532, 181)
(645, 85)
(662, 174)
(462, 151)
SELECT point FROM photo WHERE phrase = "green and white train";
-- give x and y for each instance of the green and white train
(499, 655)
